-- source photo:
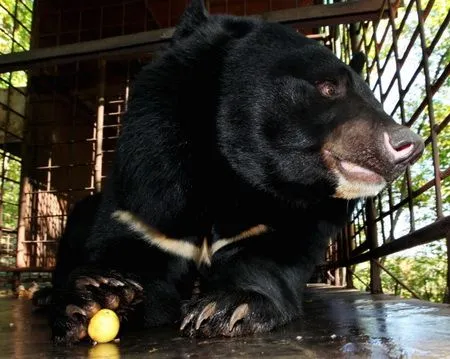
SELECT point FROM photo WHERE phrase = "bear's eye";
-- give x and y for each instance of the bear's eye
(327, 88)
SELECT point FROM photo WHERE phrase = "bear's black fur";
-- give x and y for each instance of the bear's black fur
(243, 150)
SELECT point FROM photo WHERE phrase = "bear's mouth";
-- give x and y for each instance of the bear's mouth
(351, 171)
(354, 172)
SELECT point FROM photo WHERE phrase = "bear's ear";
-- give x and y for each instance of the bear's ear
(194, 15)
(357, 62)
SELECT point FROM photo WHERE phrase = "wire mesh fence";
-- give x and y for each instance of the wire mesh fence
(15, 33)
(60, 119)
(408, 70)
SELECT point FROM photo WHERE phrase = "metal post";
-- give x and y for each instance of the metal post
(25, 188)
(372, 237)
(447, 289)
(336, 255)
(341, 256)
(347, 250)
(99, 128)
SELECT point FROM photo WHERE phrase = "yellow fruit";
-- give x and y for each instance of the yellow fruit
(104, 326)
(104, 350)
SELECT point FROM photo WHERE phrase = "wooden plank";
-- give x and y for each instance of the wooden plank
(325, 13)
(360, 249)
(139, 42)
(25, 269)
(372, 238)
(149, 41)
(439, 229)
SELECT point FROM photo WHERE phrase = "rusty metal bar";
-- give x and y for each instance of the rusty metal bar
(353, 242)
(438, 129)
(397, 76)
(406, 198)
(434, 88)
(416, 193)
(429, 97)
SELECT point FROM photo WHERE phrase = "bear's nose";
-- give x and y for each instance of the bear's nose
(403, 145)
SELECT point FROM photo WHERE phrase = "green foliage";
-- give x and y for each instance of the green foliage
(10, 167)
(425, 273)
(15, 33)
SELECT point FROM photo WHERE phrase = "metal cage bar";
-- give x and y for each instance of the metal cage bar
(413, 210)
(14, 36)
(74, 111)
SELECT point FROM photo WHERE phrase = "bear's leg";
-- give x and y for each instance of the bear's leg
(250, 288)
(140, 300)
(128, 267)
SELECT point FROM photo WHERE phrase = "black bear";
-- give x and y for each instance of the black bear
(243, 150)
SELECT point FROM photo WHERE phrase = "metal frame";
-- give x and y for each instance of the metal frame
(149, 41)
(12, 119)
(59, 86)
(370, 234)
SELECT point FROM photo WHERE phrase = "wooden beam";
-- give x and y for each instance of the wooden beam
(364, 246)
(146, 41)
(439, 229)
(149, 41)
(342, 12)
(372, 238)
(25, 269)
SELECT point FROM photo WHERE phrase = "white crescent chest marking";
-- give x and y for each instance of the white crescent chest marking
(178, 247)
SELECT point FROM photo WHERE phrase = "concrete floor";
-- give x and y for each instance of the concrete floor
(338, 323)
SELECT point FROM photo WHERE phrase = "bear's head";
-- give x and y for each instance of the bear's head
(294, 120)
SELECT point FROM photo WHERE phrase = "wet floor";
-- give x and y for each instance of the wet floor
(337, 323)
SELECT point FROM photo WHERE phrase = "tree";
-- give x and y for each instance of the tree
(424, 273)
(15, 33)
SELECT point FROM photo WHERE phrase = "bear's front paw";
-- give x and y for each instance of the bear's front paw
(230, 314)
(87, 294)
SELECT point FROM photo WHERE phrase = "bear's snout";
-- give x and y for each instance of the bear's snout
(365, 155)
(403, 146)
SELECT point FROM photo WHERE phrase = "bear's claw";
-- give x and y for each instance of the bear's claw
(84, 281)
(239, 313)
(206, 313)
(187, 319)
(72, 310)
(234, 314)
(90, 293)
